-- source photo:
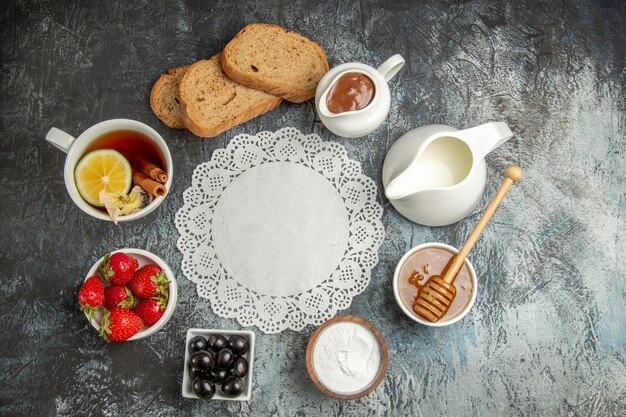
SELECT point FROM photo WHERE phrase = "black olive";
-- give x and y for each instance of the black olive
(218, 375)
(238, 344)
(197, 343)
(240, 367)
(194, 373)
(202, 361)
(216, 342)
(233, 387)
(203, 388)
(224, 359)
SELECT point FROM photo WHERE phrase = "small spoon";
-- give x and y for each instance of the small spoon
(438, 292)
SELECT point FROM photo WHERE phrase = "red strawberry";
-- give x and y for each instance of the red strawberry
(148, 281)
(117, 268)
(91, 295)
(151, 309)
(120, 324)
(118, 296)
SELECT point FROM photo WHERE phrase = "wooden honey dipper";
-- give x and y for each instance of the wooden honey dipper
(438, 292)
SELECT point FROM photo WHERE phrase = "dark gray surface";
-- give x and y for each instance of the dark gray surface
(547, 334)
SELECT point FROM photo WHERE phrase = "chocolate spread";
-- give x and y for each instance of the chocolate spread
(352, 91)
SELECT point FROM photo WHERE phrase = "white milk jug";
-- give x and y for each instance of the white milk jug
(435, 175)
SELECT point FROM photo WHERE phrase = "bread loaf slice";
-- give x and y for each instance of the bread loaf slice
(270, 58)
(164, 98)
(212, 103)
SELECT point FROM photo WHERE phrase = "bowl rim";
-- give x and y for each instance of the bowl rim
(382, 368)
(172, 296)
(414, 316)
(194, 331)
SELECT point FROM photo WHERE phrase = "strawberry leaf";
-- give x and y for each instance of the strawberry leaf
(162, 283)
(161, 301)
(128, 301)
(89, 310)
(104, 270)
(104, 327)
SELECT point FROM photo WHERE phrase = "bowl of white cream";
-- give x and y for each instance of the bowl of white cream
(346, 357)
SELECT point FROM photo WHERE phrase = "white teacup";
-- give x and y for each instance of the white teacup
(75, 149)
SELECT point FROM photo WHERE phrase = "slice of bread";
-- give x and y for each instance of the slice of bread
(212, 103)
(164, 98)
(270, 58)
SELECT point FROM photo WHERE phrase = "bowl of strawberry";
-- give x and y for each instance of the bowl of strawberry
(128, 294)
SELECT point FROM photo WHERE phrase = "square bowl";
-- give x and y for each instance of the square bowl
(186, 388)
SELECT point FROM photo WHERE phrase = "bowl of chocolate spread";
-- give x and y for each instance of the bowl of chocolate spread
(353, 99)
(417, 266)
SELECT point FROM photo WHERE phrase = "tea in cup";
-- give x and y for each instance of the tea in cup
(106, 160)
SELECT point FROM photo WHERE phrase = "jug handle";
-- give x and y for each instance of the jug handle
(61, 140)
(390, 67)
(485, 138)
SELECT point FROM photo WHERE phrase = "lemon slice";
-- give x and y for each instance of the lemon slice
(104, 169)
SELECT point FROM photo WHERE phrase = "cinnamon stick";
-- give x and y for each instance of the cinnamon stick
(153, 187)
(147, 167)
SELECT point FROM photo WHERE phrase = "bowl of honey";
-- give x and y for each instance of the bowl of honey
(414, 270)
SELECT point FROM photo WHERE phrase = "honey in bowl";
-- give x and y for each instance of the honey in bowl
(423, 264)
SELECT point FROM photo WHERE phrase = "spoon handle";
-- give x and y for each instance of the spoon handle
(512, 174)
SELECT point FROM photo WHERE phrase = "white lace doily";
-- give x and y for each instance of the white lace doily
(279, 230)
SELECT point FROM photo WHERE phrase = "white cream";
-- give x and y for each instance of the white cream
(346, 357)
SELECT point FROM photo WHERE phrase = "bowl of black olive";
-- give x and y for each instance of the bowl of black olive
(218, 364)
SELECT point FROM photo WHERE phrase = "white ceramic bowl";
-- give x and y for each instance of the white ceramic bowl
(188, 391)
(414, 316)
(143, 258)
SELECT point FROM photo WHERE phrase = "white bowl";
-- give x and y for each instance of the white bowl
(143, 258)
(188, 391)
(414, 316)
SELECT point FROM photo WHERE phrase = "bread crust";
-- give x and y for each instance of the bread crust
(174, 71)
(161, 113)
(211, 131)
(258, 83)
